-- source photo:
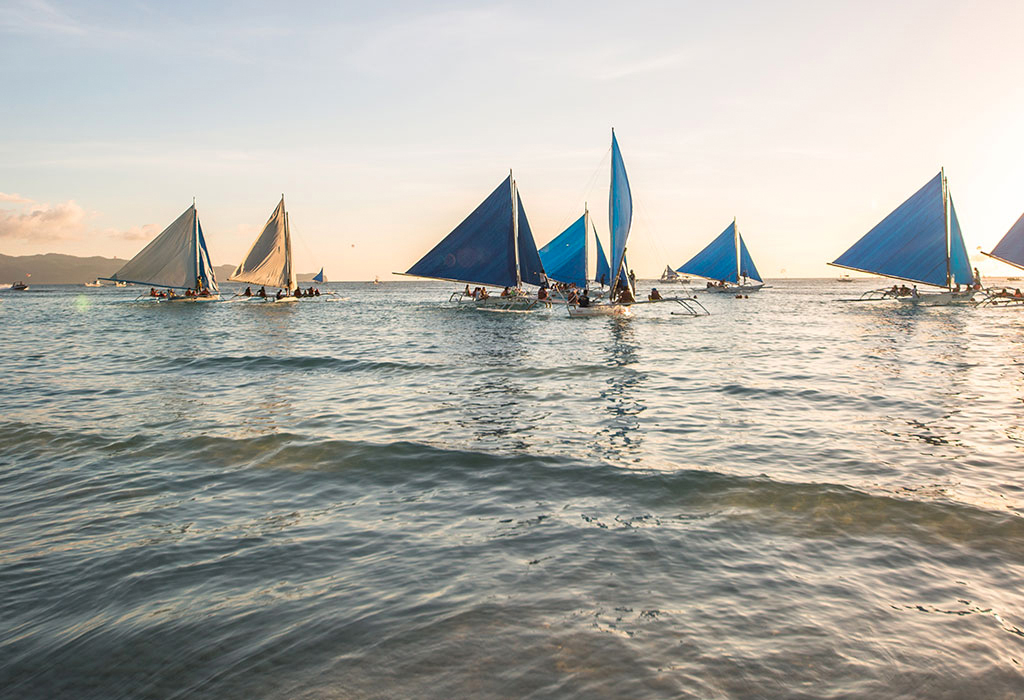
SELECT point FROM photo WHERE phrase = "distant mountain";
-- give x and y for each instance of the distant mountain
(54, 268)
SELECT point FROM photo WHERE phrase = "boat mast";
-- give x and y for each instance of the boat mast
(945, 219)
(736, 245)
(515, 229)
(586, 246)
(195, 244)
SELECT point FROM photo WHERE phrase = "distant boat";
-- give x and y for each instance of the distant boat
(376, 279)
(269, 261)
(94, 283)
(844, 278)
(492, 247)
(319, 277)
(177, 259)
(726, 261)
(921, 242)
(670, 276)
(19, 287)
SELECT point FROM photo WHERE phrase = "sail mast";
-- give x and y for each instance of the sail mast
(945, 221)
(195, 243)
(736, 244)
(515, 228)
(586, 246)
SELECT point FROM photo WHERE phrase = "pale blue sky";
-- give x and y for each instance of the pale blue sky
(385, 124)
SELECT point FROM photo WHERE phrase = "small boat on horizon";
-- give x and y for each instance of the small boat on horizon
(19, 287)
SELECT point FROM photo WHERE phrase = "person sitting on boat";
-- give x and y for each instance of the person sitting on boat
(483, 293)
(505, 292)
(170, 293)
(280, 293)
(626, 296)
(152, 292)
(655, 295)
(542, 294)
(316, 292)
(247, 292)
(913, 292)
(466, 292)
(584, 301)
(977, 279)
(298, 293)
(574, 296)
(262, 294)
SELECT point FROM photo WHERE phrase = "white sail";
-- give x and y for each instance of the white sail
(269, 261)
(170, 260)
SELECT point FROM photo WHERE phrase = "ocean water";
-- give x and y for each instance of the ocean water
(374, 496)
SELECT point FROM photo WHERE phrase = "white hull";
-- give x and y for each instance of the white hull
(733, 289)
(599, 310)
(938, 299)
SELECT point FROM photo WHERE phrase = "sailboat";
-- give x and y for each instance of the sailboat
(177, 259)
(726, 261)
(921, 242)
(494, 247)
(269, 262)
(620, 219)
(670, 276)
(566, 258)
(1009, 250)
(319, 277)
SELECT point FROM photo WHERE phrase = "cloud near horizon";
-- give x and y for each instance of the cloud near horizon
(65, 221)
(42, 221)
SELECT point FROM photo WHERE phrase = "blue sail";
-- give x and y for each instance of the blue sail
(319, 277)
(620, 208)
(959, 262)
(480, 250)
(564, 258)
(909, 244)
(747, 267)
(205, 267)
(718, 259)
(531, 271)
(603, 274)
(1010, 248)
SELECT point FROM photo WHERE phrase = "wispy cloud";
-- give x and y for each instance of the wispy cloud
(37, 16)
(14, 198)
(649, 65)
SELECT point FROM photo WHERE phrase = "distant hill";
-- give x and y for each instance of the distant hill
(54, 268)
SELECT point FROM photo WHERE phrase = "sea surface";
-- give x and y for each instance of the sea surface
(374, 495)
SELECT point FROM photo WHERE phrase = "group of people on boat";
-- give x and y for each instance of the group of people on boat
(720, 284)
(282, 293)
(480, 293)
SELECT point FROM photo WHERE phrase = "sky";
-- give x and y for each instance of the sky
(384, 124)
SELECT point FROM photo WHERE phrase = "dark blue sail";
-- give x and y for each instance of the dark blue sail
(620, 208)
(531, 270)
(1010, 248)
(909, 244)
(747, 267)
(565, 257)
(959, 262)
(604, 271)
(718, 259)
(205, 268)
(480, 250)
(319, 277)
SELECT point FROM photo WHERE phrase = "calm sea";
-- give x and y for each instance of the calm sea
(374, 496)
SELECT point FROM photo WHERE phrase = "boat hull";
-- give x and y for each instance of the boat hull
(598, 310)
(736, 289)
